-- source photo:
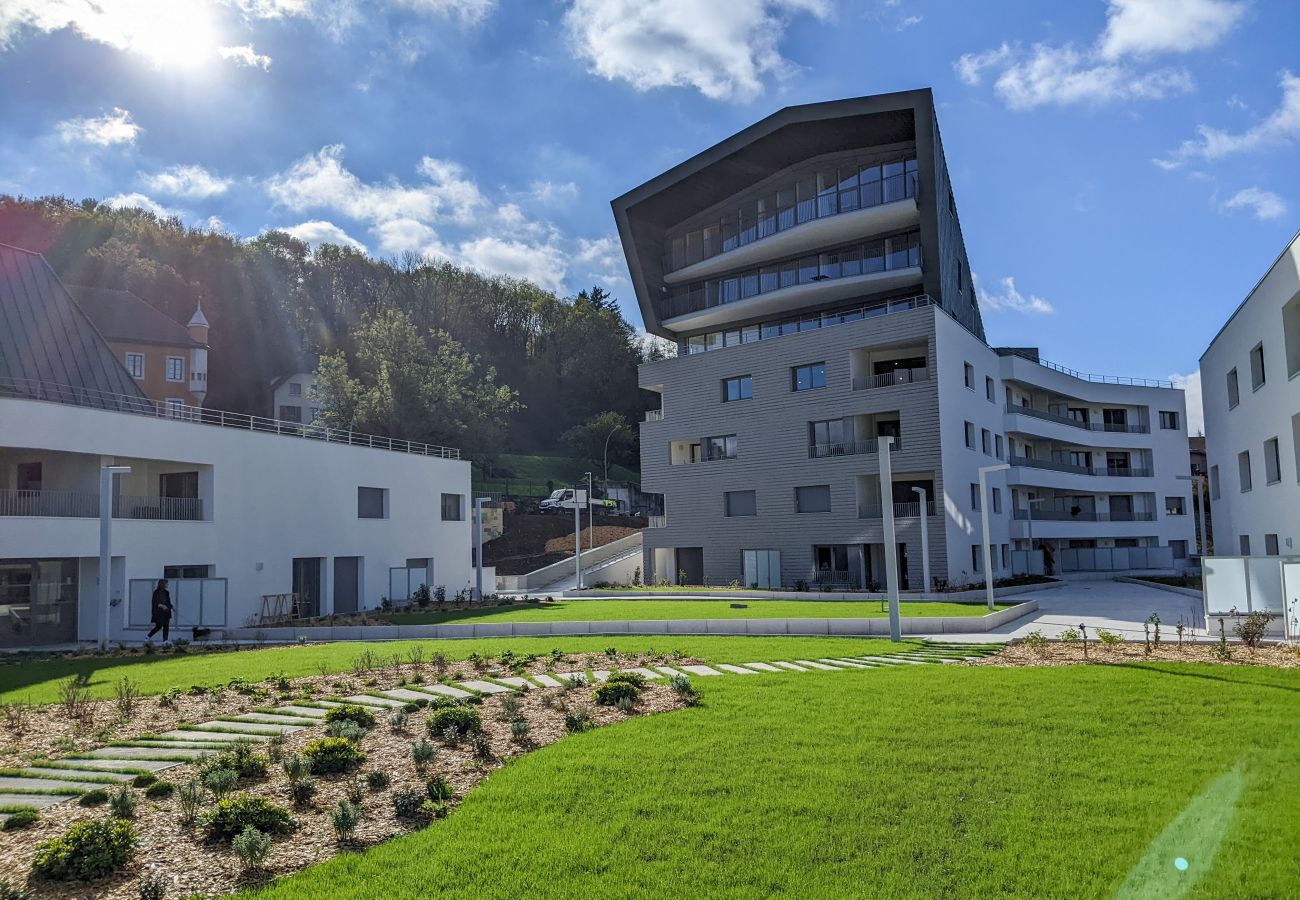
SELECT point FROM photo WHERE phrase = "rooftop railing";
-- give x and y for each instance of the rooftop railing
(27, 389)
(1095, 379)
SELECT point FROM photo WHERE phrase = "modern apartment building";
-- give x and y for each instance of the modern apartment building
(245, 515)
(1250, 383)
(813, 274)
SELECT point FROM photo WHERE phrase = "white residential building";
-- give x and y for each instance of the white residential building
(1250, 383)
(294, 397)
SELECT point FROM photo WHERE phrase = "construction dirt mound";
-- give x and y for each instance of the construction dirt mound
(532, 541)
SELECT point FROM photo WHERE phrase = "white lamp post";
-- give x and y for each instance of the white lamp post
(923, 498)
(984, 517)
(891, 550)
(106, 546)
(577, 539)
(591, 523)
(478, 547)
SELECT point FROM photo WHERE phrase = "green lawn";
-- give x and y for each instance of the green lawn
(644, 610)
(1078, 782)
(37, 681)
(531, 474)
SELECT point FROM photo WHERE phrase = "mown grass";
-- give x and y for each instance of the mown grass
(37, 681)
(531, 473)
(686, 608)
(913, 782)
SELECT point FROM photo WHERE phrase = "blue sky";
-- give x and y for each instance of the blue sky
(1125, 171)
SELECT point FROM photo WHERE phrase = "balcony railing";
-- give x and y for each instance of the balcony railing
(848, 448)
(1083, 515)
(656, 522)
(705, 457)
(833, 578)
(901, 510)
(889, 379)
(28, 389)
(1127, 428)
(1057, 466)
(1089, 377)
(85, 505)
(783, 211)
(654, 415)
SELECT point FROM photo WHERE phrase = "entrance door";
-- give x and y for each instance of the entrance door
(690, 565)
(306, 585)
(347, 587)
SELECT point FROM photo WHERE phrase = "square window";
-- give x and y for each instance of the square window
(1270, 545)
(719, 447)
(1169, 419)
(1234, 393)
(1243, 470)
(815, 498)
(453, 507)
(739, 388)
(295, 389)
(1257, 367)
(372, 503)
(1175, 506)
(175, 368)
(1272, 461)
(740, 503)
(809, 377)
(135, 364)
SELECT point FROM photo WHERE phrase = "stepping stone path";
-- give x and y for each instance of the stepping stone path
(103, 767)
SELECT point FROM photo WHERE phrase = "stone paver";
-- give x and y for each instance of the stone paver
(36, 801)
(446, 690)
(736, 670)
(305, 711)
(82, 774)
(515, 681)
(225, 726)
(140, 753)
(701, 670)
(788, 666)
(484, 687)
(11, 782)
(406, 695)
(762, 667)
(809, 664)
(546, 680)
(600, 675)
(273, 719)
(580, 677)
(644, 673)
(111, 765)
(851, 663)
(894, 659)
(212, 737)
(368, 700)
(669, 671)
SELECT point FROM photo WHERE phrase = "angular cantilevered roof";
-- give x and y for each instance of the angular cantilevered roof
(46, 338)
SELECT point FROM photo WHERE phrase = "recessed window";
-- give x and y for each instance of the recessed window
(1257, 367)
(719, 447)
(1214, 480)
(1243, 470)
(809, 377)
(1272, 462)
(175, 368)
(1179, 548)
(135, 364)
(975, 497)
(1243, 544)
(988, 389)
(1270, 545)
(970, 376)
(1175, 506)
(1234, 393)
(295, 389)
(290, 413)
(975, 552)
(1169, 419)
(986, 441)
(970, 435)
(740, 503)
(372, 503)
(739, 388)
(1291, 335)
(813, 498)
(996, 500)
(453, 507)
(997, 444)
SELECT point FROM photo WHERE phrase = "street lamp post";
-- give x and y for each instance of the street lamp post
(891, 550)
(613, 431)
(478, 547)
(984, 520)
(924, 498)
(577, 540)
(591, 523)
(106, 546)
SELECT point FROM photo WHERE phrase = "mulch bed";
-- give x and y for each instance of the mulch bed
(190, 865)
(1056, 653)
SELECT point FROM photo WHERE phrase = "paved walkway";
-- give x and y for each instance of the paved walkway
(44, 784)
(1113, 605)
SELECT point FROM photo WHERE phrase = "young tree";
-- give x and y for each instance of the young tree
(604, 436)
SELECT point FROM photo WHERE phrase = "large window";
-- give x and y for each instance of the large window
(1243, 470)
(740, 503)
(295, 389)
(175, 368)
(1234, 391)
(719, 447)
(761, 569)
(826, 438)
(1169, 419)
(814, 498)
(135, 364)
(1272, 461)
(372, 503)
(739, 388)
(453, 507)
(1257, 367)
(809, 377)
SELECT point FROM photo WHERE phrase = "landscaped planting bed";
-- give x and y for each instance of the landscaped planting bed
(1058, 653)
(371, 766)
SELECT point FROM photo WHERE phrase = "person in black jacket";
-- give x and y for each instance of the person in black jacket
(162, 610)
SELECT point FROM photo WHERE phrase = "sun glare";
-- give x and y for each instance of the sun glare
(170, 34)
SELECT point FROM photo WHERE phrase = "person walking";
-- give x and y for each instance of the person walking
(162, 610)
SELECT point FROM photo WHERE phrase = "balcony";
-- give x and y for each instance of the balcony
(848, 448)
(656, 522)
(654, 415)
(85, 505)
(1055, 466)
(1065, 515)
(1012, 409)
(901, 510)
(890, 379)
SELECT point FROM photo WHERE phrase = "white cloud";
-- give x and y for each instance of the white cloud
(548, 193)
(245, 55)
(542, 264)
(723, 50)
(193, 182)
(1263, 204)
(140, 201)
(603, 259)
(317, 232)
(1191, 385)
(1107, 70)
(116, 127)
(1282, 127)
(1011, 300)
(467, 12)
(1143, 27)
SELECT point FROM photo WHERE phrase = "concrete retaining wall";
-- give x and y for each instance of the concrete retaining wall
(975, 596)
(1171, 588)
(539, 578)
(912, 625)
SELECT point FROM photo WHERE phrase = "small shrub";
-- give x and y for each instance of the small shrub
(153, 887)
(1036, 641)
(233, 814)
(274, 748)
(635, 678)
(22, 818)
(511, 707)
(407, 803)
(1108, 638)
(332, 754)
(143, 780)
(355, 792)
(377, 780)
(126, 695)
(240, 759)
(577, 719)
(301, 791)
(1252, 629)
(464, 720)
(422, 752)
(160, 790)
(682, 687)
(438, 789)
(190, 797)
(351, 713)
(10, 891)
(612, 692)
(397, 719)
(252, 847)
(481, 745)
(625, 704)
(1069, 636)
(346, 729)
(1221, 650)
(221, 782)
(345, 818)
(87, 850)
(519, 729)
(93, 797)
(122, 802)
(294, 766)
